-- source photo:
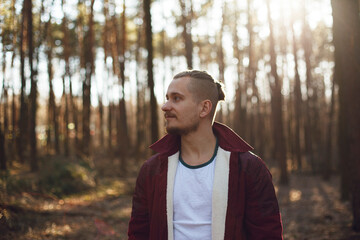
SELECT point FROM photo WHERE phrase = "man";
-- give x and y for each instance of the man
(203, 183)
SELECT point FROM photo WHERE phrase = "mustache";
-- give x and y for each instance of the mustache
(167, 114)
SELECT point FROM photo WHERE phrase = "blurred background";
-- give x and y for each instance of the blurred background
(82, 83)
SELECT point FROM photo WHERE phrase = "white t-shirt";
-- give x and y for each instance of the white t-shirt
(193, 200)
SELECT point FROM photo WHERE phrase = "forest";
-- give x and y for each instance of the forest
(82, 83)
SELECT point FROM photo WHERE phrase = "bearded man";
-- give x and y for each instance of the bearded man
(203, 183)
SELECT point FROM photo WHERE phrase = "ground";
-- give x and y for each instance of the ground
(310, 210)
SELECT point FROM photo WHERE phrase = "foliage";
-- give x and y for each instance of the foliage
(58, 177)
(61, 177)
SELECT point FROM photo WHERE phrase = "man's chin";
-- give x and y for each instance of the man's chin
(181, 131)
(173, 130)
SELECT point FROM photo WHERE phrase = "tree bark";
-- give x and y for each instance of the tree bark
(125, 141)
(187, 16)
(3, 160)
(297, 102)
(276, 107)
(89, 69)
(22, 139)
(339, 35)
(309, 120)
(239, 120)
(347, 62)
(140, 119)
(33, 93)
(327, 159)
(53, 126)
(66, 78)
(65, 119)
(149, 47)
(221, 63)
(5, 101)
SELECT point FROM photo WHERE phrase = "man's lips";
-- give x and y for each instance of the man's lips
(169, 115)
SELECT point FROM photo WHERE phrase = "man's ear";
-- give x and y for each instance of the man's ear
(206, 107)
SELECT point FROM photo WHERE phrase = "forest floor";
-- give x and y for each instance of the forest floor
(310, 208)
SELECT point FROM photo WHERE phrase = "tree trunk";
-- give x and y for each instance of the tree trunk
(256, 134)
(53, 126)
(5, 100)
(149, 47)
(65, 119)
(297, 103)
(186, 19)
(125, 141)
(101, 122)
(110, 110)
(89, 69)
(339, 32)
(140, 119)
(2, 150)
(347, 61)
(22, 140)
(66, 78)
(5, 127)
(33, 94)
(309, 120)
(239, 120)
(221, 62)
(327, 159)
(276, 107)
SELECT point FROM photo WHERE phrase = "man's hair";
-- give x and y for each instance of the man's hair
(203, 86)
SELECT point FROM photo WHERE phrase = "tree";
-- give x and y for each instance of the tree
(240, 112)
(310, 92)
(125, 141)
(276, 106)
(22, 139)
(256, 120)
(140, 102)
(53, 128)
(346, 30)
(33, 92)
(4, 101)
(186, 22)
(221, 60)
(3, 161)
(149, 48)
(88, 52)
(297, 99)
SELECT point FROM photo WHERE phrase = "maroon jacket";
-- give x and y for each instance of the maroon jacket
(252, 208)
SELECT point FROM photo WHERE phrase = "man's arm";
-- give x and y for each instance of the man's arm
(262, 215)
(139, 225)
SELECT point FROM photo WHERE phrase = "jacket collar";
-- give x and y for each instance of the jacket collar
(227, 139)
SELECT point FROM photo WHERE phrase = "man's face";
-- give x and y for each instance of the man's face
(181, 111)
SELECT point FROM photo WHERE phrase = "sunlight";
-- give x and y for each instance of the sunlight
(294, 195)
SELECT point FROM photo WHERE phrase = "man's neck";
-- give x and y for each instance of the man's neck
(198, 147)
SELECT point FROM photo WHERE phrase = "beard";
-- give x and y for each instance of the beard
(183, 130)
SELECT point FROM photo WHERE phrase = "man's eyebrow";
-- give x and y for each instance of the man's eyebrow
(174, 93)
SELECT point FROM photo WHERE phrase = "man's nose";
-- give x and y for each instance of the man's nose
(166, 106)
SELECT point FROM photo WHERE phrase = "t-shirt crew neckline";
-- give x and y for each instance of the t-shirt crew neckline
(203, 164)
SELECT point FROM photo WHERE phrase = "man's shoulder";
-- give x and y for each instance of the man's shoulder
(153, 163)
(251, 163)
(152, 160)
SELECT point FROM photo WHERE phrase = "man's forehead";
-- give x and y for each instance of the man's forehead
(178, 85)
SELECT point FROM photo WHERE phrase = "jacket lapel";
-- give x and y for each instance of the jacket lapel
(172, 165)
(220, 194)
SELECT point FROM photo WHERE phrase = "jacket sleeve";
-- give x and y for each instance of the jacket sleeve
(139, 225)
(262, 215)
